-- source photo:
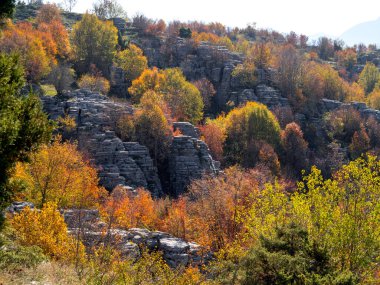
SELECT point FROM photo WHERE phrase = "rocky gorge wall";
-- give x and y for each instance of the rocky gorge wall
(128, 163)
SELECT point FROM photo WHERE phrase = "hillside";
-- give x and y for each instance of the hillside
(139, 151)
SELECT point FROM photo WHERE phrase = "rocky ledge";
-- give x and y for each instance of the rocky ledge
(130, 243)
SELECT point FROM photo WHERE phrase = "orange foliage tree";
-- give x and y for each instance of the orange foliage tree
(127, 209)
(58, 173)
(36, 48)
(39, 45)
(214, 206)
(213, 133)
(47, 229)
(295, 147)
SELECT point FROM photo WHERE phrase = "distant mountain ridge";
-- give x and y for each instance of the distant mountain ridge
(366, 33)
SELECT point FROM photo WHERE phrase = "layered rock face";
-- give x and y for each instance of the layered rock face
(331, 105)
(176, 252)
(215, 63)
(129, 163)
(189, 158)
(119, 163)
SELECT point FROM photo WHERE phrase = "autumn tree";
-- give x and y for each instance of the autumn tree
(49, 21)
(58, 173)
(151, 126)
(94, 42)
(213, 133)
(132, 61)
(125, 209)
(341, 124)
(156, 28)
(95, 83)
(369, 76)
(207, 90)
(148, 125)
(325, 48)
(261, 55)
(373, 127)
(141, 23)
(46, 229)
(295, 148)
(244, 127)
(214, 207)
(182, 97)
(373, 99)
(289, 64)
(150, 79)
(37, 53)
(292, 38)
(360, 143)
(346, 58)
(24, 126)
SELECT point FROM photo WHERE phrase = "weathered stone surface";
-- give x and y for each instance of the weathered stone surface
(176, 251)
(187, 129)
(129, 163)
(119, 84)
(118, 163)
(271, 97)
(17, 207)
(189, 159)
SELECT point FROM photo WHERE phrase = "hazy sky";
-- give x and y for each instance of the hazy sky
(330, 17)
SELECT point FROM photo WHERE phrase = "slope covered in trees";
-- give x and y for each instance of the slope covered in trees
(294, 126)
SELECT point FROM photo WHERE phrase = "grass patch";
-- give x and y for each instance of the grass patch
(49, 90)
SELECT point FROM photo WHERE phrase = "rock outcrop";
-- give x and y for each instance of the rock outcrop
(331, 105)
(118, 162)
(216, 63)
(176, 252)
(129, 163)
(189, 159)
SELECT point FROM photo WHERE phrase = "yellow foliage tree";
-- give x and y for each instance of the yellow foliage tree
(94, 42)
(342, 214)
(47, 229)
(374, 99)
(132, 61)
(58, 173)
(94, 83)
(150, 79)
(182, 97)
(37, 49)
